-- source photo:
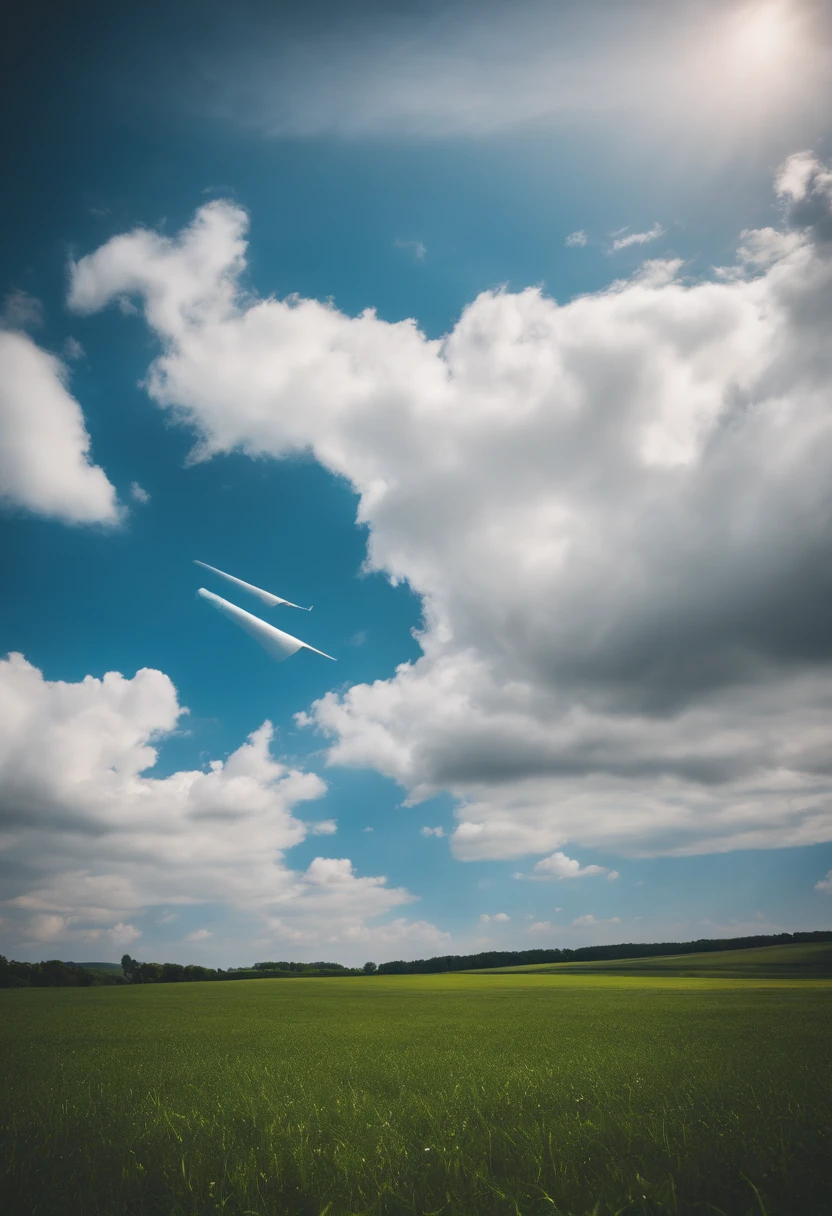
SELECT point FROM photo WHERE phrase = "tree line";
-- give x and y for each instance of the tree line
(519, 958)
(53, 973)
(177, 973)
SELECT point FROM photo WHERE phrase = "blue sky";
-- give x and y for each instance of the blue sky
(567, 533)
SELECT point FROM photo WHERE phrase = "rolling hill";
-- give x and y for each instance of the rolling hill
(800, 961)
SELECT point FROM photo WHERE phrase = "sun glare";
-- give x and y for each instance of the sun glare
(763, 33)
(756, 65)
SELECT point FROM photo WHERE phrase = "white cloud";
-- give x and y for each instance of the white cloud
(825, 883)
(138, 493)
(587, 921)
(559, 866)
(498, 917)
(433, 832)
(612, 875)
(804, 186)
(93, 843)
(368, 829)
(761, 247)
(606, 661)
(323, 827)
(418, 249)
(73, 349)
(43, 927)
(800, 175)
(410, 937)
(576, 240)
(124, 935)
(198, 935)
(44, 445)
(637, 238)
(541, 927)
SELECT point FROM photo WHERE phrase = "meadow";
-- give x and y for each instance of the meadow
(461, 1094)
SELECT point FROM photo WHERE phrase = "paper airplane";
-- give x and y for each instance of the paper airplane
(265, 596)
(278, 644)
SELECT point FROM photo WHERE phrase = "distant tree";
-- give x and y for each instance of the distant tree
(128, 966)
(194, 972)
(151, 973)
(53, 973)
(397, 967)
(369, 968)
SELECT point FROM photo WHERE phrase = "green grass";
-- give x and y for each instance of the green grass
(762, 962)
(465, 1095)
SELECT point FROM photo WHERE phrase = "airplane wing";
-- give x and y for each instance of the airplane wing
(274, 641)
(266, 596)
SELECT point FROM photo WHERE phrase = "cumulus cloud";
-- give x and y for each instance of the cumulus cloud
(804, 186)
(433, 832)
(587, 921)
(500, 918)
(92, 842)
(615, 510)
(825, 883)
(138, 493)
(123, 935)
(637, 238)
(761, 247)
(576, 240)
(198, 935)
(43, 928)
(44, 445)
(398, 936)
(559, 866)
(323, 827)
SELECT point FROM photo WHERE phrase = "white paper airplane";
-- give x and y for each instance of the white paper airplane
(278, 644)
(265, 596)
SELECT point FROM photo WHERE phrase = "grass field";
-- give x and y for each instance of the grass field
(459, 1094)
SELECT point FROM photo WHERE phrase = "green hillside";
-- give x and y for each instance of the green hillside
(764, 962)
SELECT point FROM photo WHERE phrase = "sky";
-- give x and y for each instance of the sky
(498, 333)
